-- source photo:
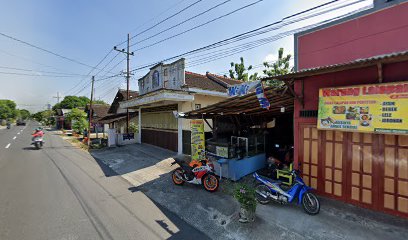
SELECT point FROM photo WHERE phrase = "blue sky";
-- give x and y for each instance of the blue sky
(87, 30)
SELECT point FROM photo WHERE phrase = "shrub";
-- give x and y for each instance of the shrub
(245, 195)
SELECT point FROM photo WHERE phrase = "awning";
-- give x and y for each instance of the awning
(116, 117)
(281, 101)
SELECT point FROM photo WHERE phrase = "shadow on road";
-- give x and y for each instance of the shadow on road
(30, 148)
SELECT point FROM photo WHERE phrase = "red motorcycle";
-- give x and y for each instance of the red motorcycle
(201, 173)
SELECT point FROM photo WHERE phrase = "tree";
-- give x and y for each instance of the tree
(280, 67)
(45, 117)
(8, 109)
(70, 102)
(239, 71)
(24, 114)
(78, 119)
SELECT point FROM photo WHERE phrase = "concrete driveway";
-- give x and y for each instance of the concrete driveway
(216, 214)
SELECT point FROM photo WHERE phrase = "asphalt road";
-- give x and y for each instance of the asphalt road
(61, 193)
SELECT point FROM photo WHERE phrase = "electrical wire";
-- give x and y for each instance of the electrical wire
(183, 22)
(198, 26)
(39, 71)
(239, 36)
(153, 18)
(45, 50)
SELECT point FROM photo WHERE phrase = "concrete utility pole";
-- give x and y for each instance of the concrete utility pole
(128, 53)
(90, 111)
(57, 97)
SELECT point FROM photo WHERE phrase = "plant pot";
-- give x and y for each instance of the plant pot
(246, 216)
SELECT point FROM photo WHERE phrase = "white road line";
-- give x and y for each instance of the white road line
(14, 138)
(8, 145)
(18, 133)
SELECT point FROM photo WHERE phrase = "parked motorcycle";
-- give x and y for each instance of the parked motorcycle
(202, 173)
(8, 125)
(270, 190)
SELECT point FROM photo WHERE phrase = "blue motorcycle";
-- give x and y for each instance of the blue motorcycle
(270, 190)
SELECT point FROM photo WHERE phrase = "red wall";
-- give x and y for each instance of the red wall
(381, 32)
(391, 73)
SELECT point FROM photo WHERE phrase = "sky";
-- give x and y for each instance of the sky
(64, 40)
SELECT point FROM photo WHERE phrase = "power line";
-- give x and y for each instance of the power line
(200, 25)
(239, 36)
(162, 21)
(39, 71)
(89, 73)
(44, 50)
(181, 23)
(153, 18)
(37, 75)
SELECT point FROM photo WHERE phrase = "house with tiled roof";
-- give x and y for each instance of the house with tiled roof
(167, 89)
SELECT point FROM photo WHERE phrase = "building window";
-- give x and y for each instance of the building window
(155, 79)
(165, 72)
(197, 106)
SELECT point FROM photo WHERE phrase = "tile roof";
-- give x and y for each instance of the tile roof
(99, 111)
(209, 81)
(121, 96)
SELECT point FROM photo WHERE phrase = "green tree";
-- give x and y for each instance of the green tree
(8, 109)
(24, 114)
(70, 102)
(240, 72)
(46, 117)
(78, 119)
(279, 67)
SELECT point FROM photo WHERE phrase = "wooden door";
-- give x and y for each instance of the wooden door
(309, 145)
(361, 174)
(333, 163)
(394, 194)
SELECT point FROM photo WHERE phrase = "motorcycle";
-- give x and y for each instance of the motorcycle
(38, 142)
(8, 125)
(202, 173)
(268, 190)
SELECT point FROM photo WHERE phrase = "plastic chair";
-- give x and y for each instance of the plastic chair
(286, 174)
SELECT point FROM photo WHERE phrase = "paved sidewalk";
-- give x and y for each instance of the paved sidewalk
(216, 214)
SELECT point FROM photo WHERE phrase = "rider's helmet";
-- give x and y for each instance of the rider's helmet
(38, 129)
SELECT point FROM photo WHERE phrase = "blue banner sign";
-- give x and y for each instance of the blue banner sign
(242, 89)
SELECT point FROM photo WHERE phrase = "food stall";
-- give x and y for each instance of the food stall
(246, 130)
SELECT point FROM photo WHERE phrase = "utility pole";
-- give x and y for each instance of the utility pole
(128, 53)
(57, 97)
(90, 111)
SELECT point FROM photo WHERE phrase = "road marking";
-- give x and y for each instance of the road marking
(14, 138)
(18, 133)
(8, 145)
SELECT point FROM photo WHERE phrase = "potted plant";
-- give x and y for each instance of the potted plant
(245, 195)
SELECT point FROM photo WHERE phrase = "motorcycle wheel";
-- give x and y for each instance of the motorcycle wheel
(175, 178)
(264, 190)
(211, 182)
(37, 145)
(310, 203)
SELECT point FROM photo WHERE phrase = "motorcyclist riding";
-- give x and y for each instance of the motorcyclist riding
(37, 133)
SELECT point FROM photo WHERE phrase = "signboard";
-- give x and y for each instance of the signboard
(128, 136)
(244, 88)
(197, 140)
(376, 108)
(221, 151)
